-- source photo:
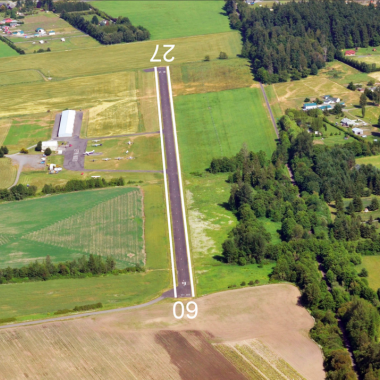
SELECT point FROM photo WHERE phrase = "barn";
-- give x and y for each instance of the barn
(66, 125)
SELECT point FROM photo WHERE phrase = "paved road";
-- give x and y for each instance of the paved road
(275, 128)
(89, 314)
(183, 274)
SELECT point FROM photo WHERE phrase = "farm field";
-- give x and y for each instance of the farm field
(35, 300)
(209, 224)
(145, 152)
(372, 264)
(153, 335)
(374, 160)
(24, 76)
(67, 226)
(217, 75)
(6, 51)
(7, 173)
(216, 124)
(73, 63)
(163, 20)
(27, 131)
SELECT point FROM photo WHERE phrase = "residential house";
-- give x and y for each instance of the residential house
(309, 106)
(348, 122)
(349, 53)
(18, 33)
(328, 99)
(51, 33)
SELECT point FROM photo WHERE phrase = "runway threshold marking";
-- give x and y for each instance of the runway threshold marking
(166, 185)
(180, 182)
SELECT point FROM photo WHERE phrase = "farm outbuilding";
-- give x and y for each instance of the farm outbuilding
(357, 131)
(53, 145)
(66, 126)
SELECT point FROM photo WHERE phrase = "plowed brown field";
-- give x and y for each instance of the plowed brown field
(252, 333)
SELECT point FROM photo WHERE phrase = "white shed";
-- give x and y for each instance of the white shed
(66, 126)
(357, 131)
(53, 145)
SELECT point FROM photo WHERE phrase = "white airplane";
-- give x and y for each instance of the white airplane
(118, 158)
(127, 151)
(106, 159)
(88, 153)
(129, 143)
(96, 144)
(95, 141)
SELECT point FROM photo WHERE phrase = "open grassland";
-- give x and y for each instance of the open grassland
(216, 124)
(374, 160)
(151, 343)
(6, 51)
(35, 300)
(218, 75)
(143, 154)
(5, 125)
(27, 131)
(209, 223)
(164, 19)
(372, 264)
(22, 76)
(66, 226)
(7, 173)
(122, 57)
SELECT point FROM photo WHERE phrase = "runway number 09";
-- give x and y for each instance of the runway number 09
(153, 59)
(192, 310)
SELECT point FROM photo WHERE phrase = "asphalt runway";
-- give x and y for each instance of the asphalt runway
(183, 274)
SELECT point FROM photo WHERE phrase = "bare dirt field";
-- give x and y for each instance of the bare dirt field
(264, 324)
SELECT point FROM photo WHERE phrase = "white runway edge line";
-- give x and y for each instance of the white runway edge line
(166, 184)
(180, 185)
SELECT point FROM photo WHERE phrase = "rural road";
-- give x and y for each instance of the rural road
(275, 128)
(183, 269)
(89, 314)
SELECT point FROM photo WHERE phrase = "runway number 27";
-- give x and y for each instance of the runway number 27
(171, 47)
(192, 310)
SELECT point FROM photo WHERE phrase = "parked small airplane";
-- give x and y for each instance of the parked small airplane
(127, 151)
(95, 141)
(97, 144)
(106, 159)
(88, 153)
(118, 158)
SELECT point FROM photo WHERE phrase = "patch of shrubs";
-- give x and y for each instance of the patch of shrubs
(7, 320)
(3, 151)
(93, 306)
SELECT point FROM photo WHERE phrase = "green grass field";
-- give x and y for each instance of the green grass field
(374, 160)
(25, 76)
(66, 226)
(165, 19)
(122, 57)
(7, 173)
(36, 300)
(216, 124)
(372, 264)
(145, 152)
(6, 51)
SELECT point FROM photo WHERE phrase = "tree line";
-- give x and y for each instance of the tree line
(47, 270)
(122, 31)
(297, 38)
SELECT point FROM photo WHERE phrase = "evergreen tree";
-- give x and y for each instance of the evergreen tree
(358, 204)
(374, 204)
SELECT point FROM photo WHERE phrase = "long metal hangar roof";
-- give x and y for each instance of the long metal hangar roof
(66, 126)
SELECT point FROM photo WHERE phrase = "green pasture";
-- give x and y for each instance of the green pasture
(66, 226)
(36, 300)
(121, 57)
(216, 124)
(145, 154)
(165, 19)
(374, 160)
(210, 76)
(25, 76)
(372, 264)
(6, 51)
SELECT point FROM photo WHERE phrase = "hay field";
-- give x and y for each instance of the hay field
(122, 57)
(6, 51)
(66, 226)
(5, 125)
(218, 75)
(163, 20)
(216, 124)
(150, 343)
(145, 152)
(8, 172)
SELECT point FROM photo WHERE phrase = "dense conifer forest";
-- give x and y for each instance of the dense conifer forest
(295, 39)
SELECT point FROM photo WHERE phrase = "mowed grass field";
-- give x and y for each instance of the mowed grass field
(372, 264)
(143, 154)
(374, 160)
(122, 57)
(216, 124)
(23, 76)
(165, 19)
(6, 51)
(8, 172)
(67, 226)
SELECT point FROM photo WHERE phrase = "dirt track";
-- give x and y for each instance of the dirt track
(138, 344)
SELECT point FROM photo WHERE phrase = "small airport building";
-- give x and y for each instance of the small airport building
(66, 125)
(53, 145)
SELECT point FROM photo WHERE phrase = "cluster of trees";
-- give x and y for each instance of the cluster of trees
(359, 65)
(47, 270)
(60, 6)
(84, 184)
(3, 151)
(122, 31)
(12, 45)
(17, 193)
(297, 38)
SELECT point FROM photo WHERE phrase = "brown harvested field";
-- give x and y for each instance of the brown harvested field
(265, 323)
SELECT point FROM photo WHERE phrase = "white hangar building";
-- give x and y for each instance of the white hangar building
(66, 126)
